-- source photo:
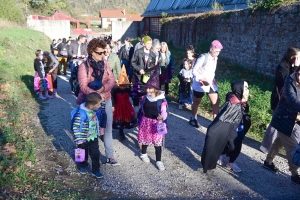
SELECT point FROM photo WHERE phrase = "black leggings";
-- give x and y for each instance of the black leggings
(157, 151)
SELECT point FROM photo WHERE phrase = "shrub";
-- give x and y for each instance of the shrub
(11, 12)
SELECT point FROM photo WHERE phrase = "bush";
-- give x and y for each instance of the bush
(11, 12)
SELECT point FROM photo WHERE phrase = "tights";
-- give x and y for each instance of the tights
(157, 151)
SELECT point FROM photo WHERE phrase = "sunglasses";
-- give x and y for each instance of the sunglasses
(100, 53)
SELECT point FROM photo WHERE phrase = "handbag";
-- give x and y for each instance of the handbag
(36, 81)
(79, 155)
(50, 83)
(162, 128)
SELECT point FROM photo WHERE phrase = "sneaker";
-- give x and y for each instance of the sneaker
(160, 166)
(42, 98)
(270, 167)
(234, 167)
(221, 160)
(49, 97)
(97, 174)
(264, 149)
(112, 162)
(180, 107)
(194, 123)
(187, 105)
(82, 170)
(145, 158)
(295, 179)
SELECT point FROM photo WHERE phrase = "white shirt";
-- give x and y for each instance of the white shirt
(186, 73)
(79, 51)
(207, 71)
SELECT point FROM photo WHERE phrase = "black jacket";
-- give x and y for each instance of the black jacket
(123, 55)
(138, 61)
(288, 107)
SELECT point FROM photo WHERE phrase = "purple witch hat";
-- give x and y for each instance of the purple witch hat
(153, 81)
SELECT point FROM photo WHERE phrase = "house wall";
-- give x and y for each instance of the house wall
(106, 22)
(255, 40)
(54, 29)
(121, 29)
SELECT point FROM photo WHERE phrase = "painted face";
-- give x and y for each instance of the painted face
(214, 52)
(148, 45)
(246, 92)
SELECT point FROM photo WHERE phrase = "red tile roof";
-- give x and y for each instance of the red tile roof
(134, 17)
(112, 14)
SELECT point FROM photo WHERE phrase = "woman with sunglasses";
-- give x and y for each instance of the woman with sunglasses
(98, 70)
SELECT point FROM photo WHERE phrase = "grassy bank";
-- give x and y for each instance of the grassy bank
(260, 89)
(17, 105)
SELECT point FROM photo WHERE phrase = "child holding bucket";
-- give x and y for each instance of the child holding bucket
(152, 118)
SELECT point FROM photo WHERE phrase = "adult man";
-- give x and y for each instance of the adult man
(283, 120)
(139, 44)
(204, 81)
(78, 48)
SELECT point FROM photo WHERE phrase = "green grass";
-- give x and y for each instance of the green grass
(17, 51)
(260, 88)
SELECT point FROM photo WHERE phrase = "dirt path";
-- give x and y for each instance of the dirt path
(183, 177)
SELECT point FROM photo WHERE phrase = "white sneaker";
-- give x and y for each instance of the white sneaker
(145, 158)
(180, 107)
(234, 167)
(264, 149)
(220, 161)
(160, 166)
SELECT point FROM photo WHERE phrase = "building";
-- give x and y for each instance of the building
(157, 8)
(107, 16)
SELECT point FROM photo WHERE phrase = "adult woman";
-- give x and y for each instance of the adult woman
(224, 126)
(51, 67)
(166, 65)
(125, 55)
(290, 60)
(98, 67)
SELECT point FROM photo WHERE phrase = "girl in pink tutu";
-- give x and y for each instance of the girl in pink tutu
(153, 110)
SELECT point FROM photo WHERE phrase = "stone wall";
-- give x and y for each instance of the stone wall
(255, 40)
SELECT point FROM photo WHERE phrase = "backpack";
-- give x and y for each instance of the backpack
(159, 103)
(83, 117)
(296, 155)
(74, 77)
(64, 51)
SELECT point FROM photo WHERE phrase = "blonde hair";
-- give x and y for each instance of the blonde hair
(166, 45)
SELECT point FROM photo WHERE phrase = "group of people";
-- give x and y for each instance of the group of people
(114, 73)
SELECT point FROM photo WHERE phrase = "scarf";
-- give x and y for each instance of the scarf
(98, 68)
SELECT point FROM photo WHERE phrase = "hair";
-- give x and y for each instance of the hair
(38, 52)
(53, 40)
(92, 99)
(188, 61)
(290, 54)
(156, 91)
(155, 42)
(128, 39)
(64, 40)
(47, 59)
(94, 44)
(81, 36)
(165, 44)
(191, 49)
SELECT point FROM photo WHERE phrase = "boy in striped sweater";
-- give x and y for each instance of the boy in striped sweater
(89, 123)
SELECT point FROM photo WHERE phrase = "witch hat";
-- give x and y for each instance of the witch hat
(153, 81)
(123, 78)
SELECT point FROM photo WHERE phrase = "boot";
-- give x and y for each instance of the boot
(122, 135)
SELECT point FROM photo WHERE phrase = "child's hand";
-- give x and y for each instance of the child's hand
(160, 117)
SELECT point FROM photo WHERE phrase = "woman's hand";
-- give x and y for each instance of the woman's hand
(160, 118)
(101, 89)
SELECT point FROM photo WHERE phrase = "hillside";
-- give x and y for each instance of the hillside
(93, 6)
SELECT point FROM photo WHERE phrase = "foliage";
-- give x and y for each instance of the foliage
(18, 179)
(9, 11)
(217, 6)
(260, 88)
(269, 4)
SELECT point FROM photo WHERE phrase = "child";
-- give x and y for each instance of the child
(152, 111)
(124, 115)
(185, 90)
(86, 132)
(40, 81)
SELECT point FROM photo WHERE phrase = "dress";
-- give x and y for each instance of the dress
(124, 115)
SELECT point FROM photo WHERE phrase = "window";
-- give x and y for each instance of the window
(155, 26)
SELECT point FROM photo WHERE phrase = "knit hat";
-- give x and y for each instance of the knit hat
(147, 39)
(216, 44)
(153, 81)
(123, 78)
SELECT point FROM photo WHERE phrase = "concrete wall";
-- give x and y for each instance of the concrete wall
(105, 23)
(255, 40)
(121, 30)
(54, 29)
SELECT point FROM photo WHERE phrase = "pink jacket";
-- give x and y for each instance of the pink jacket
(108, 82)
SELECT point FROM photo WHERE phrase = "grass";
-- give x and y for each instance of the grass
(17, 104)
(260, 88)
